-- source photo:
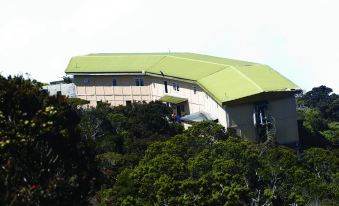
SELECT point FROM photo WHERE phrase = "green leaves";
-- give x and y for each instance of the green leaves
(198, 170)
(42, 159)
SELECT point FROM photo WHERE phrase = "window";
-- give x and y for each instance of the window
(182, 108)
(194, 89)
(139, 82)
(166, 89)
(260, 113)
(85, 81)
(128, 103)
(175, 86)
(114, 82)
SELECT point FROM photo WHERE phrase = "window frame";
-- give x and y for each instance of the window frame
(194, 89)
(176, 86)
(166, 88)
(86, 81)
(139, 82)
(114, 82)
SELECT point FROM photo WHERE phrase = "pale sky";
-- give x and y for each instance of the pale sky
(298, 38)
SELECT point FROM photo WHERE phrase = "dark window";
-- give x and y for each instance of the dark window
(260, 112)
(175, 86)
(86, 81)
(182, 108)
(139, 82)
(194, 89)
(166, 89)
(128, 103)
(114, 82)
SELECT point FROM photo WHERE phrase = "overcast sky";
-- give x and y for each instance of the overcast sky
(298, 38)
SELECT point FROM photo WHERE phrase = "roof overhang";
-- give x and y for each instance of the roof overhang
(272, 95)
(105, 73)
(172, 99)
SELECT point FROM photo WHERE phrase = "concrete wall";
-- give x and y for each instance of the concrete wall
(283, 110)
(65, 89)
(99, 88)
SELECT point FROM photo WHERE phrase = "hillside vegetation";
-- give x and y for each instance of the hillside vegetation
(55, 152)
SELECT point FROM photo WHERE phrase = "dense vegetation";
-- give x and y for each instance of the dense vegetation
(55, 152)
(319, 109)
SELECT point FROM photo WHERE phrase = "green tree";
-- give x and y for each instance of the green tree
(193, 168)
(43, 161)
(324, 100)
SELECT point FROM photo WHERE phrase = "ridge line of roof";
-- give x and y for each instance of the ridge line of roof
(226, 66)
(164, 56)
(247, 78)
(197, 60)
(110, 56)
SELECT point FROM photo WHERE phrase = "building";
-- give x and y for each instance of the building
(252, 98)
(59, 87)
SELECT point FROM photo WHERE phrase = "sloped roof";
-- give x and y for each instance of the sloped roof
(172, 99)
(224, 79)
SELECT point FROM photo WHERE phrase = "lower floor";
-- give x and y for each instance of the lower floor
(254, 121)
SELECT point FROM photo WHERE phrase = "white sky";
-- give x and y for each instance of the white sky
(298, 38)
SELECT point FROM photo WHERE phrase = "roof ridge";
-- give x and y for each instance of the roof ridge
(198, 60)
(226, 66)
(247, 78)
(164, 56)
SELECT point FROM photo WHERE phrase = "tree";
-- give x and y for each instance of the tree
(120, 136)
(196, 168)
(324, 100)
(193, 168)
(43, 161)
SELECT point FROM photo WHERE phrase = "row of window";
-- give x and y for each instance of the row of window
(176, 87)
(140, 82)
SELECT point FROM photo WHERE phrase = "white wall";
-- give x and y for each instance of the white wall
(99, 88)
(65, 89)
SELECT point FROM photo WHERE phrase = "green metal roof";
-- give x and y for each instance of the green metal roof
(172, 99)
(225, 80)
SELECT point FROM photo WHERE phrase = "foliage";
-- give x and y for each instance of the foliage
(199, 170)
(206, 129)
(320, 113)
(324, 100)
(67, 79)
(55, 151)
(313, 121)
(332, 133)
(43, 161)
(120, 135)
